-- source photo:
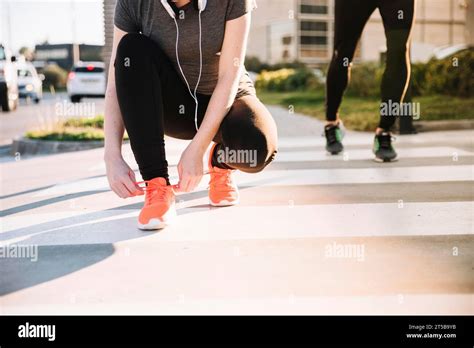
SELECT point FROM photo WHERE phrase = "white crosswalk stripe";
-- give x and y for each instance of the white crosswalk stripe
(273, 252)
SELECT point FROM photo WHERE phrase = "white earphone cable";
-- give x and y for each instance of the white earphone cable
(193, 95)
(200, 71)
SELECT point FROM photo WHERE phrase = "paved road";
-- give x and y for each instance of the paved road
(51, 109)
(313, 235)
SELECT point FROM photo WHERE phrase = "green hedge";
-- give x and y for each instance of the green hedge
(287, 80)
(453, 76)
(93, 122)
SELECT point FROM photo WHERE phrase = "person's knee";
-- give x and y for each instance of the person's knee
(397, 47)
(130, 43)
(263, 151)
(254, 147)
(343, 55)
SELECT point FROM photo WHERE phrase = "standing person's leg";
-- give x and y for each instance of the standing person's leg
(350, 19)
(398, 17)
(150, 95)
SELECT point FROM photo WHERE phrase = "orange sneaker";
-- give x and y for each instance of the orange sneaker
(159, 209)
(223, 191)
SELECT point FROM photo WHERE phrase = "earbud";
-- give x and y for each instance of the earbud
(202, 5)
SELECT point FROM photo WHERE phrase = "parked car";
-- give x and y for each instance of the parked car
(86, 80)
(30, 83)
(8, 81)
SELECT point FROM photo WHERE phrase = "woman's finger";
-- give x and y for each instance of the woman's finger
(130, 185)
(119, 190)
(126, 193)
(183, 181)
(193, 184)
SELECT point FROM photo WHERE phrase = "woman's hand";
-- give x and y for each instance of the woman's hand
(190, 168)
(122, 178)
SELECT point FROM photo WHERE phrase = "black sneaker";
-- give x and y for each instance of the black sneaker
(383, 149)
(334, 137)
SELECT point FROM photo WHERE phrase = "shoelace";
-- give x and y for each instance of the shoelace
(220, 178)
(331, 134)
(385, 140)
(153, 191)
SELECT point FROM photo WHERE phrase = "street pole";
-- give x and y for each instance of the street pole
(75, 46)
(9, 24)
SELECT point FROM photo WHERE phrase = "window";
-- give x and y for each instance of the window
(314, 6)
(313, 26)
(314, 40)
(314, 53)
(2, 53)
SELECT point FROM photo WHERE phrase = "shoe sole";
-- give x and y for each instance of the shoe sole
(159, 223)
(380, 160)
(224, 203)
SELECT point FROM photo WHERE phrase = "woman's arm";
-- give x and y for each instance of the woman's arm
(230, 69)
(120, 176)
(114, 128)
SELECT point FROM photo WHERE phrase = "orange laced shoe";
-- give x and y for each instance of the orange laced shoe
(223, 191)
(159, 209)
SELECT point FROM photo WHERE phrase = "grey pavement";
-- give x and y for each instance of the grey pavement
(45, 114)
(314, 234)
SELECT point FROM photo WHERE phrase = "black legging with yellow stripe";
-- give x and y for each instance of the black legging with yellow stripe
(350, 19)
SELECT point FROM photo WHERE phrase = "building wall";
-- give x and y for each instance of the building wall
(469, 29)
(438, 23)
(272, 20)
(109, 9)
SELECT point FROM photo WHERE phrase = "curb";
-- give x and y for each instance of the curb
(430, 126)
(26, 146)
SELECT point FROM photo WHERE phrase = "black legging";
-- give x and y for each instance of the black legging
(350, 19)
(154, 101)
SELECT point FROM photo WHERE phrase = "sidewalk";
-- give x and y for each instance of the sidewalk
(409, 225)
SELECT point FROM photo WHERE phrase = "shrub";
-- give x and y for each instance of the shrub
(74, 129)
(94, 122)
(287, 80)
(67, 134)
(256, 65)
(453, 75)
(418, 79)
(365, 80)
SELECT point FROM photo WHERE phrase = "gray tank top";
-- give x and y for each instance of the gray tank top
(150, 18)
